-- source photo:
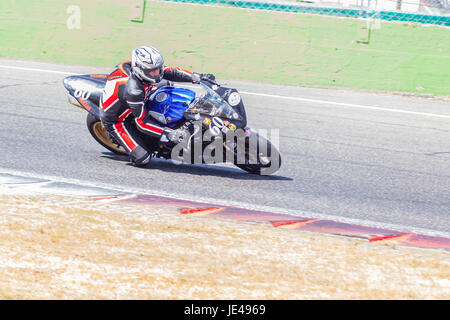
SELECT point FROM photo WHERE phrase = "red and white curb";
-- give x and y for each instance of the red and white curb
(12, 184)
(288, 221)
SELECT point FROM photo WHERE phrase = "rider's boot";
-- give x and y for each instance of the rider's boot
(140, 157)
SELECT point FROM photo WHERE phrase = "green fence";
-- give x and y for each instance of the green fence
(361, 12)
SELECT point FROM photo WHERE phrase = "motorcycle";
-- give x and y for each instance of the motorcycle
(211, 125)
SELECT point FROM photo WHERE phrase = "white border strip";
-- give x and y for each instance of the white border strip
(340, 104)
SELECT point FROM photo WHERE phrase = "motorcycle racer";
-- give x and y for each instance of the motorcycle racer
(127, 89)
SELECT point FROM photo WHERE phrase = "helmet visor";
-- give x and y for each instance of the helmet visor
(153, 73)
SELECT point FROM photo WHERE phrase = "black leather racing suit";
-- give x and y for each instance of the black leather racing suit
(123, 110)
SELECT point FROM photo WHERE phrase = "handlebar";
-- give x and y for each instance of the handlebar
(209, 82)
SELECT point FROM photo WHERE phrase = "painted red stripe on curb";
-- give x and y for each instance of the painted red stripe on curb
(236, 213)
(347, 229)
(152, 200)
(201, 211)
(292, 224)
(120, 197)
(419, 240)
(228, 212)
(397, 237)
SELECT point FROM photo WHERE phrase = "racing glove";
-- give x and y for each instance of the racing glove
(196, 77)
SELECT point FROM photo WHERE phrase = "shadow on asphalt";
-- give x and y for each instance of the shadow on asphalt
(197, 169)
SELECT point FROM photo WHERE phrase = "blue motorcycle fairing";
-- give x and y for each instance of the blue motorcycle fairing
(169, 103)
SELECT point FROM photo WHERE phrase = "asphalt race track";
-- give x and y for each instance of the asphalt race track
(369, 158)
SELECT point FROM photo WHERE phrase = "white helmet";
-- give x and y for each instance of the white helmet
(144, 60)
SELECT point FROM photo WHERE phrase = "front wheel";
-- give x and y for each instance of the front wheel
(260, 156)
(98, 131)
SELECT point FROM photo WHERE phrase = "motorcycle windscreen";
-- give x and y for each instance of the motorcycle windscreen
(213, 105)
(168, 104)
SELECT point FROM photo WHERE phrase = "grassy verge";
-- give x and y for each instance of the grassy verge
(75, 248)
(295, 49)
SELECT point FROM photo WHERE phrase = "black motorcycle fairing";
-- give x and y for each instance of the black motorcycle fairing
(225, 93)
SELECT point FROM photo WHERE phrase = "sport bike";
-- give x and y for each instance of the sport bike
(209, 122)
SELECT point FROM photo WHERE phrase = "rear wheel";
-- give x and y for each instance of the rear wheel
(98, 131)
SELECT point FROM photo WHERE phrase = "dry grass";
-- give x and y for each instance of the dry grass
(74, 248)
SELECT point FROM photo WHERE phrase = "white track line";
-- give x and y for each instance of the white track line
(340, 104)
(349, 105)
(39, 70)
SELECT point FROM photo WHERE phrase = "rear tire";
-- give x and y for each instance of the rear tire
(98, 131)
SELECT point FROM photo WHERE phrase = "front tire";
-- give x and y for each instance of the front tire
(264, 160)
(98, 131)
